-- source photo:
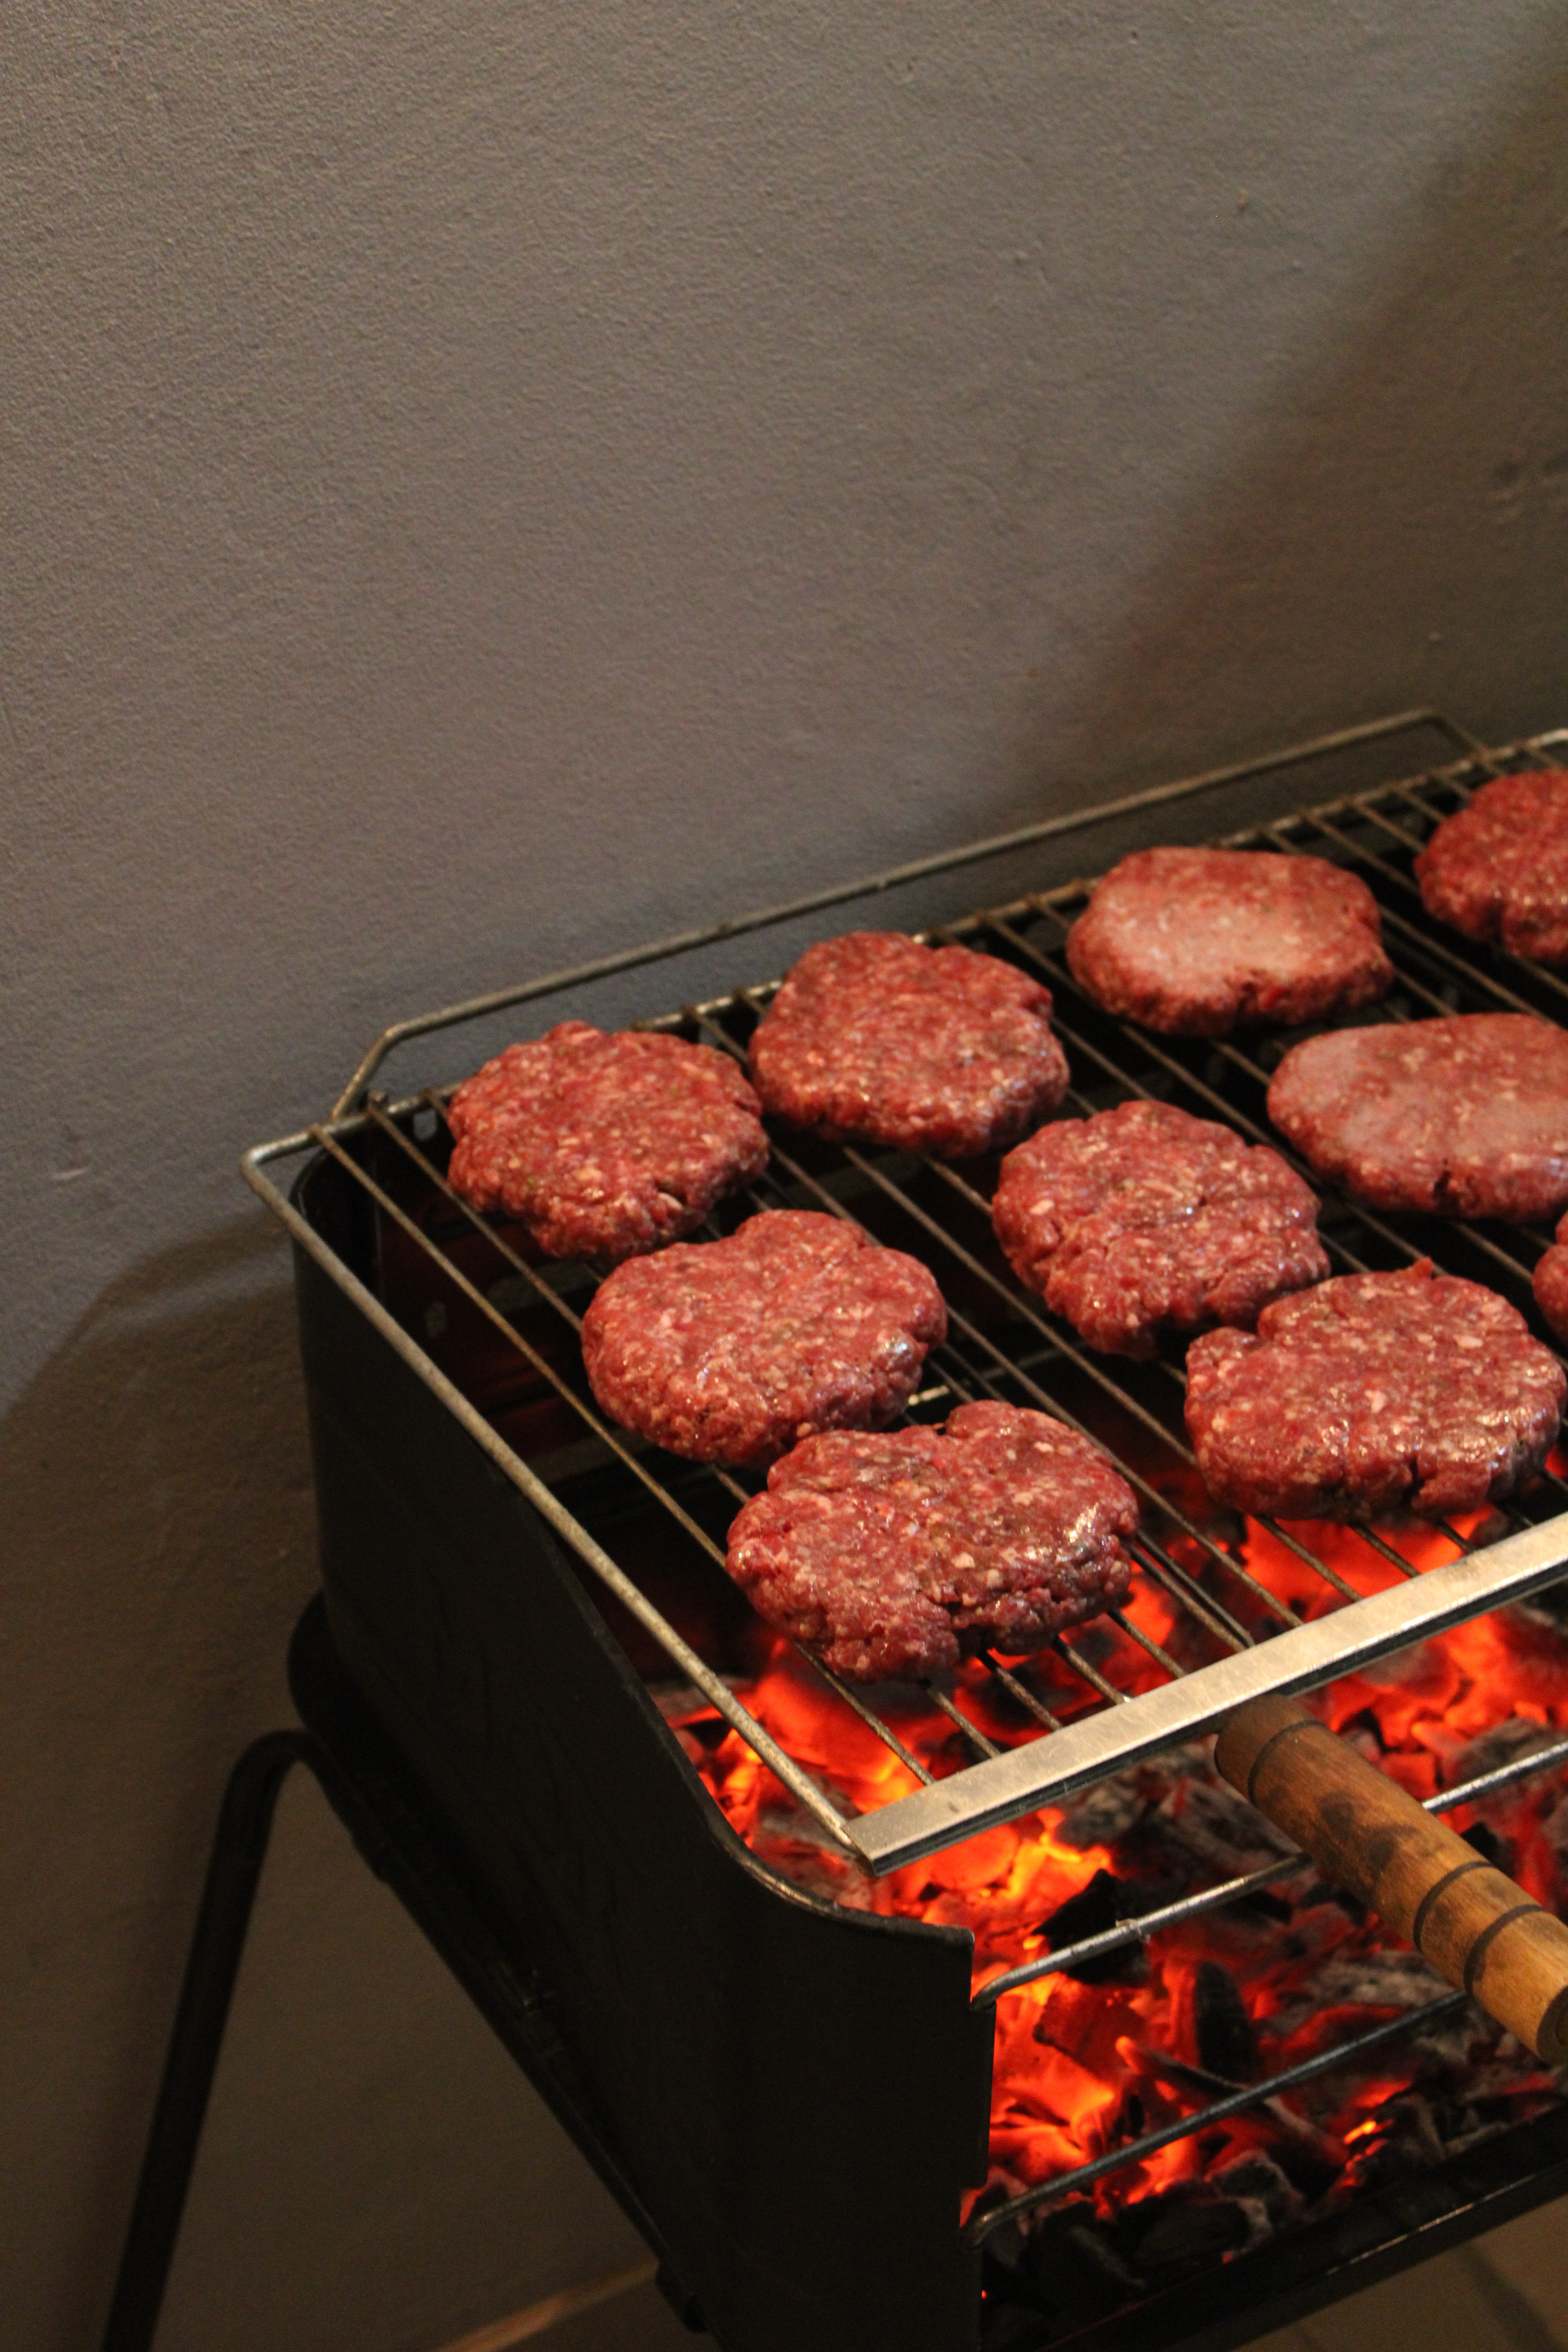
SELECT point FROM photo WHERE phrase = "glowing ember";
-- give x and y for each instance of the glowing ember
(1243, 1993)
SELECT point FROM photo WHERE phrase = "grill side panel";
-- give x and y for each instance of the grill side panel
(797, 2094)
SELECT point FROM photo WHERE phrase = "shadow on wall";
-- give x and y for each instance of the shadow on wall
(158, 1546)
(1398, 517)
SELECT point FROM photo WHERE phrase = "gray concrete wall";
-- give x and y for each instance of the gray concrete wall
(483, 483)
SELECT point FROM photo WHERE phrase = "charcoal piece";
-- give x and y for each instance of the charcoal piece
(1004, 2247)
(1264, 1900)
(1311, 2162)
(1407, 2142)
(1386, 1980)
(1226, 2043)
(1103, 1903)
(1255, 2180)
(1100, 1814)
(1476, 2134)
(1074, 2272)
(1219, 1828)
(1185, 2234)
(1506, 1741)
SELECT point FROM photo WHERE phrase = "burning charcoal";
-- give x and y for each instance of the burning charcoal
(1227, 2043)
(1404, 2141)
(1074, 2272)
(1188, 2229)
(1104, 1902)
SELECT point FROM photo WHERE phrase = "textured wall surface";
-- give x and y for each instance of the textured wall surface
(486, 482)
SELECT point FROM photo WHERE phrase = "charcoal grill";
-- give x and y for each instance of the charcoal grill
(508, 1578)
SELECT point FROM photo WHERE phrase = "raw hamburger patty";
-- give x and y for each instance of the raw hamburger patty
(1551, 1282)
(875, 1038)
(1499, 870)
(897, 1555)
(605, 1146)
(732, 1350)
(1371, 1391)
(1191, 941)
(1467, 1116)
(1143, 1219)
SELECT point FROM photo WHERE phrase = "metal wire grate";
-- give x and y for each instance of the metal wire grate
(1110, 1693)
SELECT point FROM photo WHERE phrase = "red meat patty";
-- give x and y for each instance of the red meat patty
(1374, 1391)
(1499, 870)
(733, 1351)
(875, 1038)
(1467, 1116)
(605, 1146)
(897, 1555)
(1142, 1220)
(1550, 1281)
(1191, 941)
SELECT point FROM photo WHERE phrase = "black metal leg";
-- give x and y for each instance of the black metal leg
(240, 1849)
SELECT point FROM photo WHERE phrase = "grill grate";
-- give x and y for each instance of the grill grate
(1116, 1690)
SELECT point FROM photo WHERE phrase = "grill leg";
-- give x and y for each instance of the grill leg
(240, 1849)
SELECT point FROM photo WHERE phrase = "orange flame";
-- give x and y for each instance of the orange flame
(1080, 2067)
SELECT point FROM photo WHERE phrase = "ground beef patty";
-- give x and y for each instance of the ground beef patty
(1144, 1219)
(897, 1555)
(1191, 941)
(1372, 1392)
(1551, 1282)
(733, 1351)
(875, 1038)
(1467, 1116)
(605, 1146)
(1499, 870)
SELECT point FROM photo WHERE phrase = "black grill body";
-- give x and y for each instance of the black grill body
(797, 2094)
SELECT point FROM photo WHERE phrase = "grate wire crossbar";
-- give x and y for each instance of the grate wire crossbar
(1228, 1636)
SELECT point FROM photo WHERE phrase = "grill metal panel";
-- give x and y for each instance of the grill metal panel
(1238, 1639)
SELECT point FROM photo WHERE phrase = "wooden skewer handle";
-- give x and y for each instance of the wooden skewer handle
(1366, 1832)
